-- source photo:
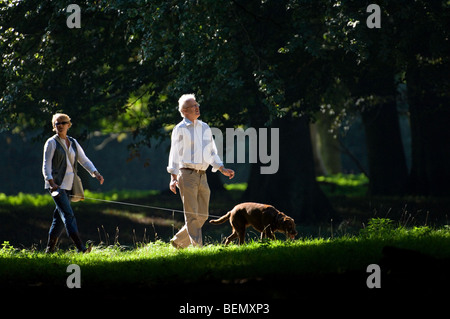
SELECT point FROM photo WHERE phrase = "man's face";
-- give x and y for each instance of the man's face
(191, 110)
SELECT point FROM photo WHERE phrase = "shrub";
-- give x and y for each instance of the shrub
(378, 227)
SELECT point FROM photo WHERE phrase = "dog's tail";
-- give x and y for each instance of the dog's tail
(221, 220)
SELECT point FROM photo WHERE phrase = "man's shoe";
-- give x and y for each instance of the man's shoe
(175, 245)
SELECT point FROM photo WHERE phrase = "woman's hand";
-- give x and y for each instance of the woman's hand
(53, 185)
(99, 177)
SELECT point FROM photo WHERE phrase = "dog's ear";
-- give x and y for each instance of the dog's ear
(288, 222)
(280, 218)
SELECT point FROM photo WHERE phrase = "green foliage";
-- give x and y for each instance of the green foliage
(379, 227)
(125, 67)
(131, 60)
(7, 248)
(420, 231)
(385, 228)
(276, 57)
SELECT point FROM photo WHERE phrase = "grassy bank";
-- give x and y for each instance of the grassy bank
(159, 263)
(133, 261)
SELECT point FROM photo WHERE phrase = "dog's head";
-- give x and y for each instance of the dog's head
(286, 224)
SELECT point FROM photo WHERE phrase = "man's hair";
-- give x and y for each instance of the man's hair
(183, 99)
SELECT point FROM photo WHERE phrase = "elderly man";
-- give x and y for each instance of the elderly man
(192, 150)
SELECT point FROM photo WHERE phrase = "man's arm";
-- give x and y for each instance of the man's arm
(173, 165)
(174, 160)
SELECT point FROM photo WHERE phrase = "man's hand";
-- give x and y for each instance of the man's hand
(227, 172)
(173, 184)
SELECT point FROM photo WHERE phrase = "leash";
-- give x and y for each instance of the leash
(145, 206)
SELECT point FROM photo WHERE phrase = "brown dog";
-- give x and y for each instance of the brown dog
(264, 218)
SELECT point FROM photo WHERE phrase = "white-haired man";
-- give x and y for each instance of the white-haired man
(192, 150)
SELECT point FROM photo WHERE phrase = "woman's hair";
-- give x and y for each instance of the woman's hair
(182, 100)
(57, 116)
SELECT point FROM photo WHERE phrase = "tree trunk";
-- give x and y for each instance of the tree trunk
(293, 189)
(319, 163)
(327, 147)
(428, 99)
(386, 157)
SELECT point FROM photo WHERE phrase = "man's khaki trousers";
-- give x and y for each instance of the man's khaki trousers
(194, 191)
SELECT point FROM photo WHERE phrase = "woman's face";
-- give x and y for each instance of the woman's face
(62, 124)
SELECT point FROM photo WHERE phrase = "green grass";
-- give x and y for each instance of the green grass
(40, 200)
(235, 187)
(345, 179)
(158, 262)
(349, 185)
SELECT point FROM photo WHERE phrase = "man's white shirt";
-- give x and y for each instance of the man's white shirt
(193, 146)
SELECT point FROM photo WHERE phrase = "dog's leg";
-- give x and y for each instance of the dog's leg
(240, 230)
(231, 238)
(241, 237)
(267, 233)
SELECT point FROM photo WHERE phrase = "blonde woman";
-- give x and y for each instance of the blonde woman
(60, 151)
